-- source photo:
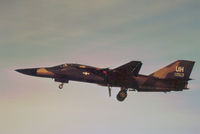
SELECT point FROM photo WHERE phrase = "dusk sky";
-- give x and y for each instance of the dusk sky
(100, 33)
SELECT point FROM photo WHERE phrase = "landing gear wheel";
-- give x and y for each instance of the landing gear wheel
(61, 86)
(121, 96)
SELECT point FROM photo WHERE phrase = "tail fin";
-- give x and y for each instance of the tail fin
(180, 69)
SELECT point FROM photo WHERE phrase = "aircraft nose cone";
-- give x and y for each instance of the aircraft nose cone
(31, 71)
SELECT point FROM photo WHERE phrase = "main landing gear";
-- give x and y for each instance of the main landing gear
(61, 86)
(121, 96)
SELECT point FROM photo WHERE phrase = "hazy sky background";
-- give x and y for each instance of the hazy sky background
(102, 33)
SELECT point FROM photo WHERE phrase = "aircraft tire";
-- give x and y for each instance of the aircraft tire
(60, 86)
(121, 96)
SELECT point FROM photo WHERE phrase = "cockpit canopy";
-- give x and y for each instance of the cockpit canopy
(79, 66)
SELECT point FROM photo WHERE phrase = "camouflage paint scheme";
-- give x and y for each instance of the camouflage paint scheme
(173, 77)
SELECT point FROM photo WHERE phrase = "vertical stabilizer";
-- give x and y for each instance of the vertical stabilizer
(180, 69)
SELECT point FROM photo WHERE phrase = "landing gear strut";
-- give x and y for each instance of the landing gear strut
(121, 96)
(109, 90)
(61, 85)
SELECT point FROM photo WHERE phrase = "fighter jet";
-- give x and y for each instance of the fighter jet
(173, 77)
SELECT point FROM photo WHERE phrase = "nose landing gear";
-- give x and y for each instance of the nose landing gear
(61, 86)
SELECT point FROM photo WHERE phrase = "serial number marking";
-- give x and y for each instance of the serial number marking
(179, 74)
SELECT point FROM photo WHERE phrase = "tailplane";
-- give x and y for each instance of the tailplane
(180, 69)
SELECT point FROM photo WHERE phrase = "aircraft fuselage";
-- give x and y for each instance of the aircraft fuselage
(173, 77)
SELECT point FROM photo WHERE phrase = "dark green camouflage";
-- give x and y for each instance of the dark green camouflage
(173, 77)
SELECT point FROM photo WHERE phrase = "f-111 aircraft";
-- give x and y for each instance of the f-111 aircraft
(173, 77)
